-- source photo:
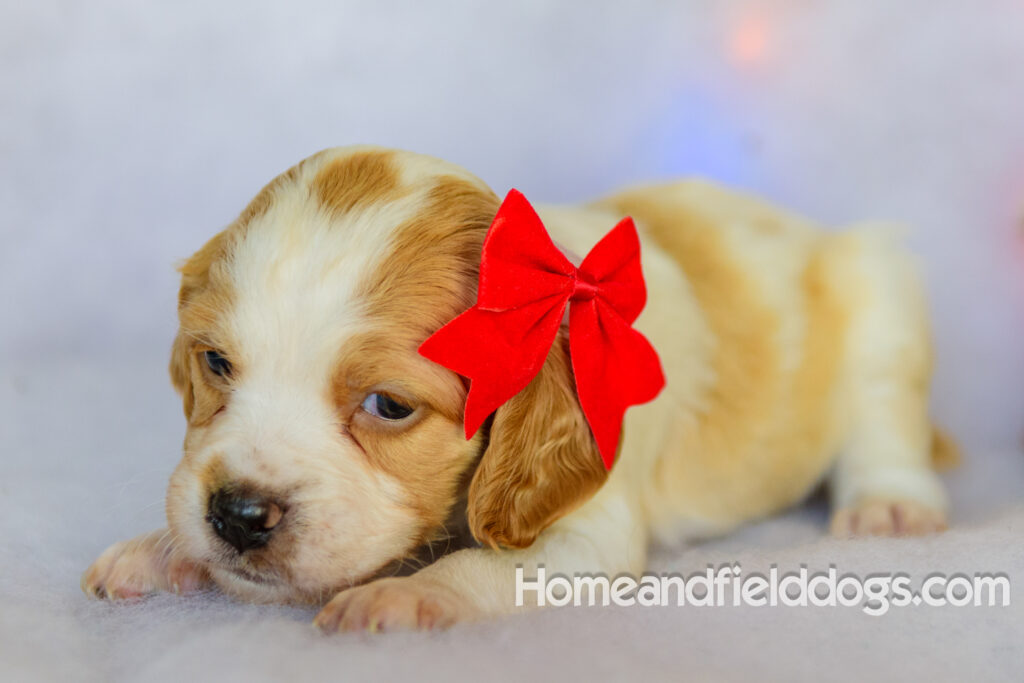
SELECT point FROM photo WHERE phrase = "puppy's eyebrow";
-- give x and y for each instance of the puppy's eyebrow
(398, 386)
(200, 338)
(195, 336)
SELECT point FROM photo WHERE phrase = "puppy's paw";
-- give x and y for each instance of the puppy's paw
(884, 517)
(406, 603)
(135, 568)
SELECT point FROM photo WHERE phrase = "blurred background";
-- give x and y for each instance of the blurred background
(131, 132)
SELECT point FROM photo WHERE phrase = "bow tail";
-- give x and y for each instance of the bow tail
(615, 367)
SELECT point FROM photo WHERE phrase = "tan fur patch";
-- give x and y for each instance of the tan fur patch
(359, 179)
(430, 274)
(945, 451)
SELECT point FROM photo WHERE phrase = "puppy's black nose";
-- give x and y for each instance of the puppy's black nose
(245, 521)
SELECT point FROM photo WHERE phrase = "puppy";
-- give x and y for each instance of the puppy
(325, 459)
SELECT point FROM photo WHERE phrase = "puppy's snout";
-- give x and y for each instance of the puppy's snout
(244, 520)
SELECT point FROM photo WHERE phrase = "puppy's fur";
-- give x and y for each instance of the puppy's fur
(793, 357)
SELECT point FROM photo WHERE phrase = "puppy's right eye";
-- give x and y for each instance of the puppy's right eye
(217, 363)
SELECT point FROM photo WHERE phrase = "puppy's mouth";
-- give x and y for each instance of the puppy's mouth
(253, 577)
(252, 571)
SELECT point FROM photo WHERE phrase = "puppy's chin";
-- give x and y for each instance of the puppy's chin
(253, 587)
(256, 586)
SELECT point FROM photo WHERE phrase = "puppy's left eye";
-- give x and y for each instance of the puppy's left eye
(385, 407)
(217, 363)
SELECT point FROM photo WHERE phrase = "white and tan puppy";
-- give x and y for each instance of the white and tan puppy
(325, 460)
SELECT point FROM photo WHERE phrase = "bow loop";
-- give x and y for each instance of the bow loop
(510, 275)
(614, 262)
(501, 343)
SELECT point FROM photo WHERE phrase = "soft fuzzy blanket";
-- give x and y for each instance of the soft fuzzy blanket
(79, 474)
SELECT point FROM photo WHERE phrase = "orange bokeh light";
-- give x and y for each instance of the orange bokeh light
(749, 41)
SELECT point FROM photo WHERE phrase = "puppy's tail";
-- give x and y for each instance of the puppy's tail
(945, 450)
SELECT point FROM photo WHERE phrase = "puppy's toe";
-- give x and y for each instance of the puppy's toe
(133, 569)
(396, 604)
(883, 517)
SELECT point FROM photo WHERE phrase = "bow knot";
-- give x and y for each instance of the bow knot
(526, 283)
(583, 288)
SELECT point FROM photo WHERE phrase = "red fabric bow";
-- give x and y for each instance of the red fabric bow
(501, 343)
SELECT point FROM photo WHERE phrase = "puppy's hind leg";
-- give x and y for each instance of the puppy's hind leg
(883, 482)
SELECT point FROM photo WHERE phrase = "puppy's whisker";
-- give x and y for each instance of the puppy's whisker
(152, 505)
(163, 544)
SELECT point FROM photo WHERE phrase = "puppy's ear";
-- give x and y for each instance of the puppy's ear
(197, 300)
(181, 372)
(541, 461)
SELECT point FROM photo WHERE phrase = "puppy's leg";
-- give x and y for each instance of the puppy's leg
(883, 482)
(605, 536)
(149, 563)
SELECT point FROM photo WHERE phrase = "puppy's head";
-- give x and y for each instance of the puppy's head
(322, 450)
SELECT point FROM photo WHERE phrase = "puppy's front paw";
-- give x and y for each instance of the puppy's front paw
(883, 517)
(406, 603)
(132, 569)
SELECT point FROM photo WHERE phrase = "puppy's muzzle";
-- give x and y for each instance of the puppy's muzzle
(245, 520)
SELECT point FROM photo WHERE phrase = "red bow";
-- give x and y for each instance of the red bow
(501, 343)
